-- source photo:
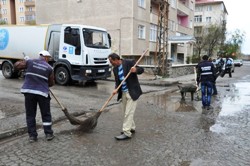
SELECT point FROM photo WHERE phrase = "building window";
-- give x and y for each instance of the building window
(209, 8)
(198, 18)
(20, 1)
(208, 19)
(191, 24)
(30, 9)
(153, 33)
(198, 9)
(4, 2)
(4, 11)
(171, 25)
(197, 30)
(173, 4)
(21, 19)
(30, 17)
(141, 3)
(141, 32)
(5, 20)
(21, 9)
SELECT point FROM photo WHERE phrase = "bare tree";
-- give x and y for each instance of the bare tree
(209, 39)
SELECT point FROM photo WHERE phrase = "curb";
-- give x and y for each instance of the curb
(23, 130)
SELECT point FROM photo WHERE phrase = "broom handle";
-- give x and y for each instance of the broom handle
(57, 100)
(195, 76)
(105, 104)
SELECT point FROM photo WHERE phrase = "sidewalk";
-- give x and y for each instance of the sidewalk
(16, 125)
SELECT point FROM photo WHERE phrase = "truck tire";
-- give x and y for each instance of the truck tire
(8, 70)
(62, 76)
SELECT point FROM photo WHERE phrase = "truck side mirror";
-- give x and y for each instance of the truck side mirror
(109, 39)
(67, 30)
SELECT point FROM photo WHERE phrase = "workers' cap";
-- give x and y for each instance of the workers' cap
(44, 53)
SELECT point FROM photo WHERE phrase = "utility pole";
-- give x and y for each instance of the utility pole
(161, 52)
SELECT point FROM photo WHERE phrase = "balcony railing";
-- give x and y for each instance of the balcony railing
(184, 30)
(31, 21)
(29, 3)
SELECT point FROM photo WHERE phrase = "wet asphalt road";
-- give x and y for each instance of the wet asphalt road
(168, 133)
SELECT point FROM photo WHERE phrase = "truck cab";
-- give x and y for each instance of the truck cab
(80, 53)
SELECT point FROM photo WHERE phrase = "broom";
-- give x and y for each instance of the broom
(91, 122)
(72, 119)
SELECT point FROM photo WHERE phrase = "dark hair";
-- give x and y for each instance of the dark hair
(205, 57)
(114, 56)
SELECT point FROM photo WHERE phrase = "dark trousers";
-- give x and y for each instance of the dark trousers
(31, 101)
(228, 70)
(214, 88)
(206, 91)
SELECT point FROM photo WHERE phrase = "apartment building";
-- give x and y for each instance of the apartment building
(181, 30)
(19, 12)
(209, 12)
(131, 23)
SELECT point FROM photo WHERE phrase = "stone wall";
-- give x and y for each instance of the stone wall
(181, 70)
(174, 70)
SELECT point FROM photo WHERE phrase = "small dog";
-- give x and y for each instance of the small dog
(187, 88)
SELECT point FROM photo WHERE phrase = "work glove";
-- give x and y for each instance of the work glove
(26, 57)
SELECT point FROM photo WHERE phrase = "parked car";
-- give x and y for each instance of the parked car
(238, 62)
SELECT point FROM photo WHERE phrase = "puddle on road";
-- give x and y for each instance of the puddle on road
(237, 101)
(172, 102)
(233, 100)
(232, 105)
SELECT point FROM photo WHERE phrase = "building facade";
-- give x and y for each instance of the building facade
(181, 31)
(18, 12)
(209, 12)
(131, 23)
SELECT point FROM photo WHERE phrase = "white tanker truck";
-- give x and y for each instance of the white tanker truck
(79, 52)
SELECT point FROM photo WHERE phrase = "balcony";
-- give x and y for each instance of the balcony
(29, 13)
(182, 9)
(157, 1)
(153, 18)
(29, 3)
(30, 22)
(184, 30)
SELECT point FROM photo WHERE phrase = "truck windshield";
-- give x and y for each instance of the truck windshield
(95, 38)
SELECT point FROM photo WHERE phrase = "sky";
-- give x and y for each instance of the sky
(237, 18)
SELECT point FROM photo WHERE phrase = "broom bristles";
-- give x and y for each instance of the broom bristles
(72, 119)
(90, 123)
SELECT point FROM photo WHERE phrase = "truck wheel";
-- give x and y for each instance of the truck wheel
(7, 70)
(62, 76)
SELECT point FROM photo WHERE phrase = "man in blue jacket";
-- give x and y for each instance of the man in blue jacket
(129, 92)
(206, 76)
